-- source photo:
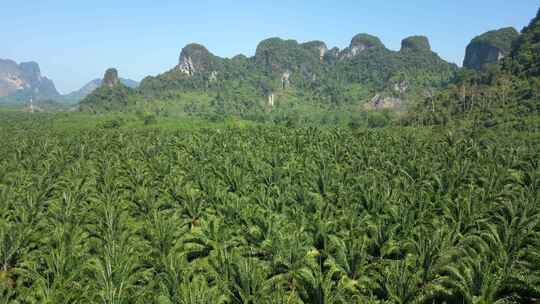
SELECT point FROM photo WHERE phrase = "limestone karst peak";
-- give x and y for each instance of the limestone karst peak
(110, 79)
(194, 58)
(416, 43)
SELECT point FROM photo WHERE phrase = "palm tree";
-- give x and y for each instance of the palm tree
(350, 265)
(58, 277)
(319, 288)
(116, 269)
(243, 279)
(473, 281)
(14, 249)
(179, 284)
(398, 283)
(290, 260)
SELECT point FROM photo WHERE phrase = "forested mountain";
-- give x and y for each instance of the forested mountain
(88, 88)
(526, 52)
(21, 82)
(308, 73)
(111, 95)
(291, 82)
(279, 63)
(489, 48)
(507, 90)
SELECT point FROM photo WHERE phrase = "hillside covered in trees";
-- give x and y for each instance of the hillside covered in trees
(308, 83)
(285, 76)
(506, 90)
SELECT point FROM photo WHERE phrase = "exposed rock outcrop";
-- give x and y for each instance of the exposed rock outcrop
(378, 102)
(280, 64)
(318, 47)
(111, 78)
(24, 81)
(361, 43)
(271, 99)
(213, 76)
(489, 48)
(11, 79)
(401, 86)
(194, 58)
(285, 80)
(31, 72)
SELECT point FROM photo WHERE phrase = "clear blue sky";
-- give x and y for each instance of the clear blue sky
(75, 41)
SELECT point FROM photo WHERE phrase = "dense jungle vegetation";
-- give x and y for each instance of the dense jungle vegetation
(302, 78)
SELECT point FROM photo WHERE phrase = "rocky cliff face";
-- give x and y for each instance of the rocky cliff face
(286, 80)
(489, 48)
(111, 78)
(319, 48)
(194, 58)
(24, 81)
(11, 79)
(360, 43)
(379, 102)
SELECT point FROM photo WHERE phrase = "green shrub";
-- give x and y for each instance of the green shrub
(150, 119)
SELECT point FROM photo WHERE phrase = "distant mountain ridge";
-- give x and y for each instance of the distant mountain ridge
(280, 64)
(21, 82)
(88, 88)
(285, 70)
